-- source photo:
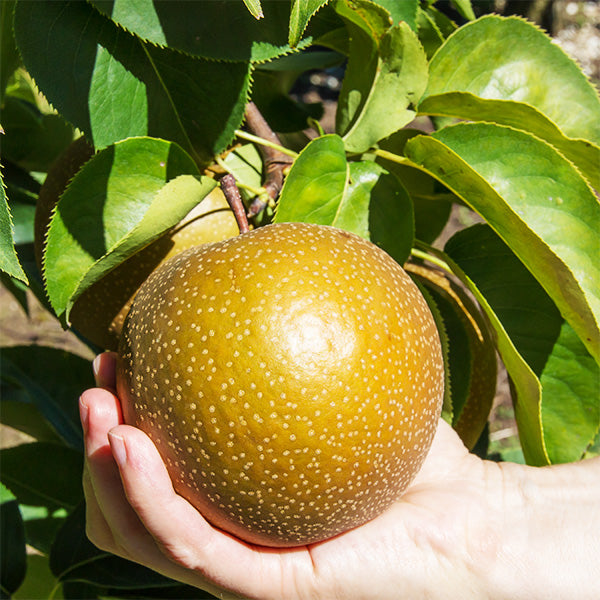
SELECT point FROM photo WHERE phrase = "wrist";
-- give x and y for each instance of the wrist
(548, 541)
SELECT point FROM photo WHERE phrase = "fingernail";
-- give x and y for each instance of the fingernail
(96, 367)
(117, 445)
(83, 415)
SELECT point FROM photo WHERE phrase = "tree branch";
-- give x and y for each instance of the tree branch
(275, 162)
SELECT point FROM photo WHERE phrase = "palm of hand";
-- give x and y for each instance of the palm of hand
(423, 543)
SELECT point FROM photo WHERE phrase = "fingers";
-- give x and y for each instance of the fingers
(109, 515)
(180, 531)
(104, 370)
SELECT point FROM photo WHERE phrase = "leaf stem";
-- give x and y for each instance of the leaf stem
(417, 253)
(391, 156)
(263, 142)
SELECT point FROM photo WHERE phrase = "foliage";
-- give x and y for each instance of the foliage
(506, 125)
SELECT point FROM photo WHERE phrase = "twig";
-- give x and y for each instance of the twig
(232, 194)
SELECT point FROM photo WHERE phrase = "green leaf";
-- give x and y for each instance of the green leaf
(75, 558)
(32, 140)
(301, 13)
(39, 582)
(50, 380)
(507, 70)
(377, 207)
(245, 164)
(9, 55)
(535, 200)
(18, 412)
(314, 188)
(401, 11)
(525, 384)
(42, 474)
(361, 197)
(117, 203)
(429, 33)
(41, 525)
(9, 262)
(222, 29)
(12, 544)
(568, 407)
(464, 8)
(431, 202)
(255, 8)
(583, 154)
(386, 75)
(126, 87)
(23, 217)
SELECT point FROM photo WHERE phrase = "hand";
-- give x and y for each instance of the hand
(465, 528)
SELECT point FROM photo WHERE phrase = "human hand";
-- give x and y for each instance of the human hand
(462, 527)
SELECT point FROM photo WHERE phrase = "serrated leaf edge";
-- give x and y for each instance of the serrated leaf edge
(286, 50)
(20, 276)
(533, 25)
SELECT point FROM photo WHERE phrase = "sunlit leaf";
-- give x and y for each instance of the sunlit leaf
(386, 75)
(314, 188)
(217, 29)
(401, 11)
(300, 15)
(117, 203)
(255, 8)
(583, 154)
(113, 85)
(568, 408)
(508, 71)
(9, 263)
(535, 200)
(245, 164)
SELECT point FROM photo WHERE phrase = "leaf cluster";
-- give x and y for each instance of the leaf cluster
(486, 119)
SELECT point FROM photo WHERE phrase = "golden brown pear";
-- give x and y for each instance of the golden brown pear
(290, 377)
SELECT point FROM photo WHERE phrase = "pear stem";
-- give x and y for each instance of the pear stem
(234, 199)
